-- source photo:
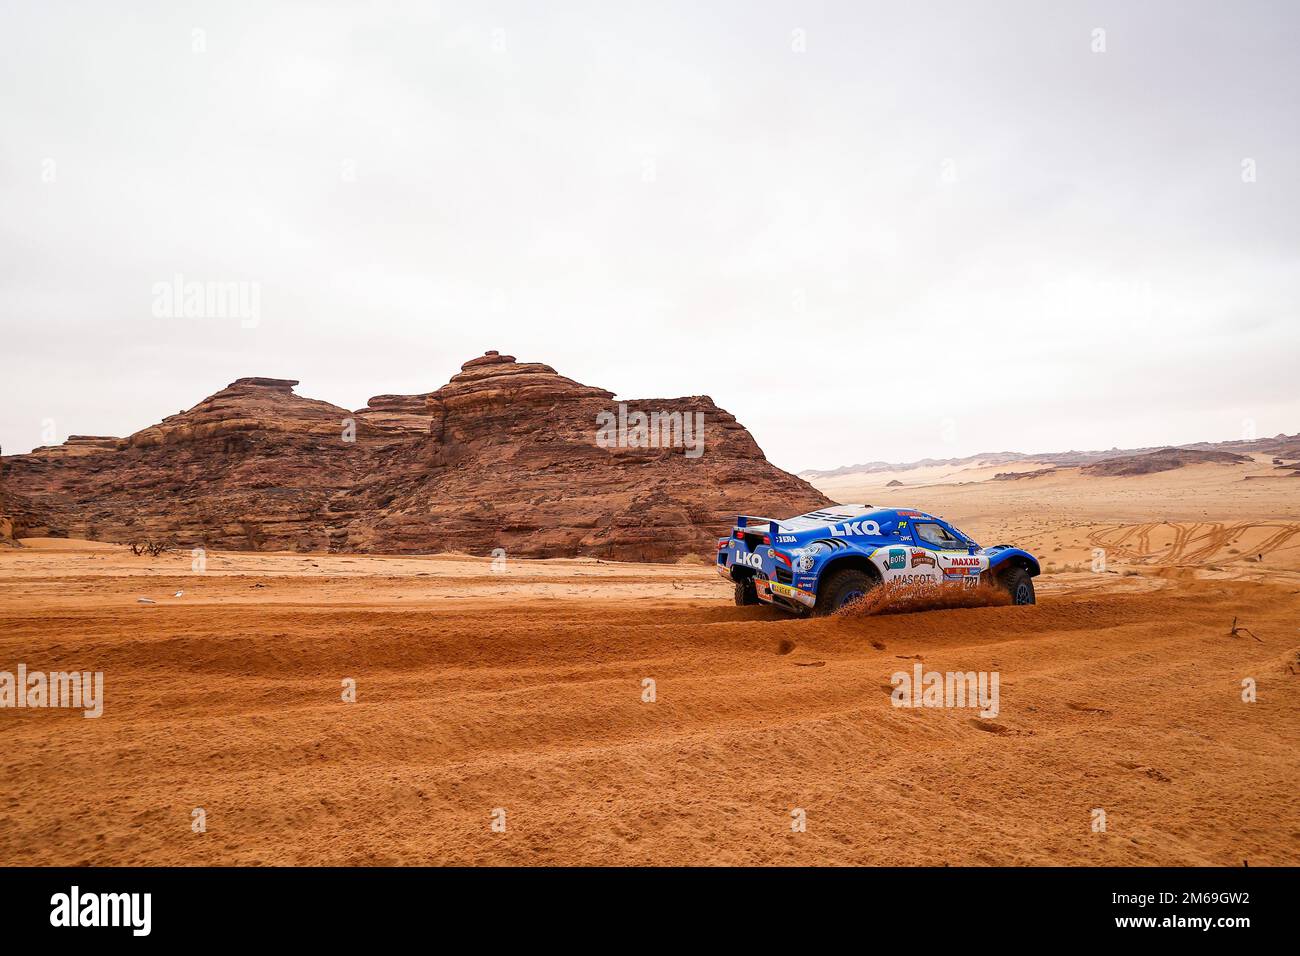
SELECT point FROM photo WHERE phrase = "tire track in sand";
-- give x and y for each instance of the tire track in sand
(1194, 543)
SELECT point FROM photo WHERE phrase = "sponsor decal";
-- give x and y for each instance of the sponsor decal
(897, 559)
(776, 555)
(786, 590)
(923, 557)
(964, 562)
(785, 539)
(851, 528)
(910, 579)
(910, 514)
(751, 560)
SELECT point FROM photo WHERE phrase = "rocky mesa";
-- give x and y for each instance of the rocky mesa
(507, 455)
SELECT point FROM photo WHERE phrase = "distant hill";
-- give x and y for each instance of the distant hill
(1282, 445)
(1166, 459)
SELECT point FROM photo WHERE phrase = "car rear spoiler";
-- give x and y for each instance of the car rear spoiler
(746, 521)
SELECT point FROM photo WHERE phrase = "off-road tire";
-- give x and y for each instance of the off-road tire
(746, 594)
(1018, 583)
(841, 588)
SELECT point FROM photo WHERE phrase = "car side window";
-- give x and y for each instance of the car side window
(939, 537)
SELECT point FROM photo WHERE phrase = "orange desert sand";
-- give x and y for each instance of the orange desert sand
(521, 690)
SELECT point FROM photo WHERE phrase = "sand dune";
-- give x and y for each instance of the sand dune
(522, 690)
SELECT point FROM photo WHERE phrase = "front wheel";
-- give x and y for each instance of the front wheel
(1019, 585)
(842, 588)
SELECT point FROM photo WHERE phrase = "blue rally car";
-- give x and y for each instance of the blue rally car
(818, 562)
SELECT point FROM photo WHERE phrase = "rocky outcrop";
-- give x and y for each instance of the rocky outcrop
(246, 405)
(1018, 475)
(252, 467)
(1165, 459)
(404, 412)
(78, 445)
(506, 455)
(6, 522)
(516, 459)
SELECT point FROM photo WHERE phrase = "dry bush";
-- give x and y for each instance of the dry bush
(150, 547)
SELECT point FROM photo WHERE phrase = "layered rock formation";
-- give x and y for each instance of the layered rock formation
(6, 522)
(406, 412)
(506, 455)
(1165, 459)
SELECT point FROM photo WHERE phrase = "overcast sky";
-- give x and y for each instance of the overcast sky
(869, 230)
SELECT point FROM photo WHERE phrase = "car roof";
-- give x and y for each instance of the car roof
(834, 514)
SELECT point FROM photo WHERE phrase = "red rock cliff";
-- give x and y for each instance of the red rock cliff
(507, 454)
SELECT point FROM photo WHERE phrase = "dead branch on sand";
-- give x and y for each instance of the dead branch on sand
(1238, 631)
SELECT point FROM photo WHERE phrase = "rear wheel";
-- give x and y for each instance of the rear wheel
(745, 592)
(841, 588)
(1019, 585)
